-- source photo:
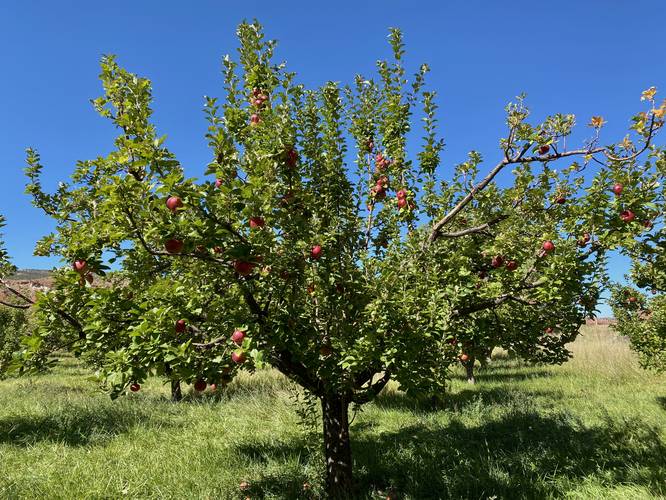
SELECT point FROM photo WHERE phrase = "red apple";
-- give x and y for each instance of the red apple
(237, 357)
(238, 336)
(627, 215)
(255, 119)
(311, 289)
(135, 387)
(218, 183)
(464, 357)
(80, 266)
(512, 265)
(378, 192)
(617, 189)
(213, 387)
(497, 261)
(258, 102)
(243, 267)
(181, 325)
(402, 194)
(173, 203)
(315, 252)
(560, 200)
(402, 203)
(647, 224)
(631, 299)
(257, 222)
(549, 329)
(173, 246)
(548, 246)
(256, 92)
(544, 149)
(200, 385)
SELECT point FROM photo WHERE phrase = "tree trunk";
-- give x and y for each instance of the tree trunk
(469, 368)
(176, 392)
(337, 446)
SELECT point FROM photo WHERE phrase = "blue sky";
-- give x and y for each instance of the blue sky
(571, 56)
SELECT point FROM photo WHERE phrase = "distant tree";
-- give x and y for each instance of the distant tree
(341, 277)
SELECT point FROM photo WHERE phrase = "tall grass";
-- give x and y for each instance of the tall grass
(594, 427)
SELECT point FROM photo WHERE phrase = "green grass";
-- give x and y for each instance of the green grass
(592, 428)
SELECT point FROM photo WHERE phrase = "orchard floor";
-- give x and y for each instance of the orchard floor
(592, 428)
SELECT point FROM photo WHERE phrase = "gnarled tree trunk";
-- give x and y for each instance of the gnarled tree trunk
(469, 369)
(337, 446)
(176, 392)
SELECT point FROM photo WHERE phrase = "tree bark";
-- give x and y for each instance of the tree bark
(337, 446)
(176, 392)
(469, 368)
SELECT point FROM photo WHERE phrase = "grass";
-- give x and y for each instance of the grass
(592, 428)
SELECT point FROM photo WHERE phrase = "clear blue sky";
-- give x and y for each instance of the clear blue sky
(582, 57)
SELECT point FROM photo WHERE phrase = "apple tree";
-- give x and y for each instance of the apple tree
(13, 312)
(319, 245)
(641, 313)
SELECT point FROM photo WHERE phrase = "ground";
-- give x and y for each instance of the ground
(592, 428)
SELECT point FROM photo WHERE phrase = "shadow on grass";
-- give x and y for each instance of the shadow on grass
(506, 375)
(524, 455)
(459, 400)
(74, 426)
(662, 401)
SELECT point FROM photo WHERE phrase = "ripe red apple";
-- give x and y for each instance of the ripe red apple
(560, 200)
(402, 203)
(627, 215)
(80, 266)
(200, 385)
(311, 289)
(238, 336)
(549, 329)
(213, 387)
(544, 149)
(257, 222)
(181, 325)
(255, 119)
(618, 188)
(258, 102)
(315, 252)
(402, 194)
(512, 265)
(173, 246)
(497, 261)
(237, 357)
(464, 357)
(243, 267)
(548, 246)
(135, 387)
(173, 203)
(218, 183)
(378, 192)
(256, 92)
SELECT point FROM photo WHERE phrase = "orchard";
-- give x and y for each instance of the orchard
(321, 241)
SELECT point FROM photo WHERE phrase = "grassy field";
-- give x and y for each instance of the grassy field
(592, 428)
